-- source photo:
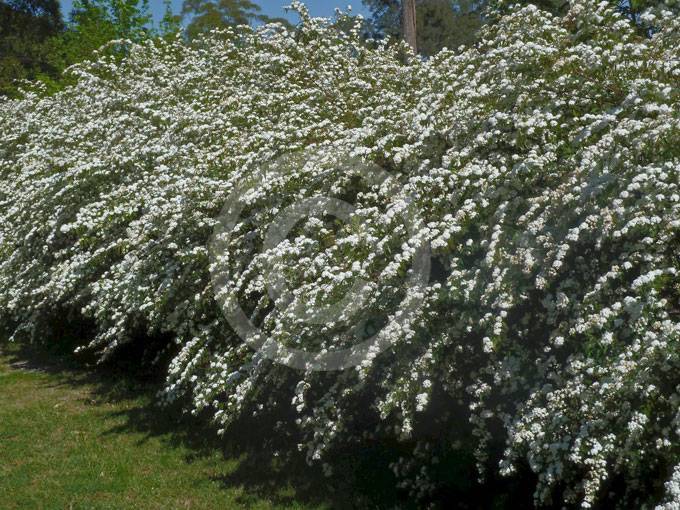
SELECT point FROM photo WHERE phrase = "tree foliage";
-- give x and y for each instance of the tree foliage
(95, 22)
(206, 15)
(37, 44)
(440, 23)
(171, 23)
(451, 23)
(26, 27)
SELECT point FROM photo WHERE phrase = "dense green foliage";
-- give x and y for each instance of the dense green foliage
(93, 23)
(206, 15)
(26, 27)
(36, 45)
(451, 23)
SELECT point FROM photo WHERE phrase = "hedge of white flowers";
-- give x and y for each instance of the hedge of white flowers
(545, 167)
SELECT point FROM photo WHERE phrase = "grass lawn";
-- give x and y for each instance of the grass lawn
(74, 438)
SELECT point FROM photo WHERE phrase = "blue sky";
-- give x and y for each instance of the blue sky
(269, 7)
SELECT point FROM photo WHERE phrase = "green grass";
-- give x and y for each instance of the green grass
(76, 438)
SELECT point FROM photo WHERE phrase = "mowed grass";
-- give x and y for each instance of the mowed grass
(75, 439)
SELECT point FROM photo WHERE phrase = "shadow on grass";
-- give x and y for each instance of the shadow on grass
(266, 468)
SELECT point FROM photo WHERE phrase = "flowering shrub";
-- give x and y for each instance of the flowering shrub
(545, 168)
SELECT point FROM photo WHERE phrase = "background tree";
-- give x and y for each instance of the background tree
(206, 15)
(93, 23)
(25, 28)
(171, 23)
(439, 23)
(446, 24)
(450, 23)
(408, 23)
(35, 43)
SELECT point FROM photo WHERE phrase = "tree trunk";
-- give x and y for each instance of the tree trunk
(408, 20)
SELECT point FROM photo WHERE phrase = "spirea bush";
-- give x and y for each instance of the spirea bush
(544, 165)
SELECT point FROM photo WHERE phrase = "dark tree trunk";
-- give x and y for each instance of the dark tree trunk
(408, 20)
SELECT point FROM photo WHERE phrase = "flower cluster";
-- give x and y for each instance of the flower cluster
(545, 169)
